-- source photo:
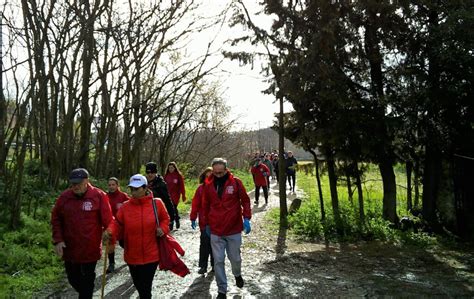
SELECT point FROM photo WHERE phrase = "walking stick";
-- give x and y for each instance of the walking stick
(105, 269)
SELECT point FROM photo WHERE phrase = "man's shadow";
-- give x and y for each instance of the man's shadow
(200, 288)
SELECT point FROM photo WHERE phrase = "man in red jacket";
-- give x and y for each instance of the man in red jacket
(226, 211)
(116, 198)
(78, 218)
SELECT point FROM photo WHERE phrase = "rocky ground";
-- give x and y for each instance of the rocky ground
(276, 265)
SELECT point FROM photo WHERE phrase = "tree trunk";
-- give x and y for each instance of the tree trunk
(409, 170)
(282, 167)
(3, 108)
(432, 169)
(349, 186)
(15, 219)
(389, 191)
(431, 179)
(334, 196)
(417, 184)
(318, 182)
(87, 20)
(359, 193)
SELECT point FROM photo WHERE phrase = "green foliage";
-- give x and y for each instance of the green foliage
(27, 260)
(245, 176)
(307, 223)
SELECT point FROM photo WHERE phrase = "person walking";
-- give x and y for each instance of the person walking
(267, 161)
(157, 185)
(116, 200)
(136, 224)
(226, 207)
(275, 166)
(175, 182)
(78, 218)
(260, 173)
(205, 250)
(290, 163)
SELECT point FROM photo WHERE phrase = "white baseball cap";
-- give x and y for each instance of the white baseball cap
(137, 181)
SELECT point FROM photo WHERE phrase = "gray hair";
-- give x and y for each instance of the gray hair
(219, 161)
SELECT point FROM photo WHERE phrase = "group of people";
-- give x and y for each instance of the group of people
(265, 166)
(84, 215)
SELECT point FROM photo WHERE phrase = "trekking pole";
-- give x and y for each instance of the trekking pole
(104, 274)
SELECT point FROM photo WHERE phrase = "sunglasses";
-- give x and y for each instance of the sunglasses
(134, 189)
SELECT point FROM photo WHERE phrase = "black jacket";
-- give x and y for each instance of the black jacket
(160, 190)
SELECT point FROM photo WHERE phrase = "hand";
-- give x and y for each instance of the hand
(159, 232)
(193, 224)
(265, 174)
(247, 227)
(208, 230)
(58, 248)
(106, 236)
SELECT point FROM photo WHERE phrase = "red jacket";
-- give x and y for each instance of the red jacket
(197, 207)
(175, 183)
(224, 215)
(135, 221)
(79, 222)
(116, 200)
(258, 174)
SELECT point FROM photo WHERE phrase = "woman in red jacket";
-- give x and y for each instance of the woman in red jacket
(136, 225)
(175, 183)
(260, 174)
(196, 209)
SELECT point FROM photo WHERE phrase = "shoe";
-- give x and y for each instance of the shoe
(177, 224)
(202, 271)
(266, 201)
(171, 225)
(110, 268)
(255, 202)
(221, 295)
(239, 281)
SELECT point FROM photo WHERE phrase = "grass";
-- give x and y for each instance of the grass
(307, 223)
(27, 259)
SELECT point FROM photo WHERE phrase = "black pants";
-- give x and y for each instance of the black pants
(112, 254)
(291, 178)
(142, 276)
(176, 215)
(257, 192)
(205, 251)
(81, 276)
(112, 258)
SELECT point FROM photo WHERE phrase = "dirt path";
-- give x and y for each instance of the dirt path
(277, 266)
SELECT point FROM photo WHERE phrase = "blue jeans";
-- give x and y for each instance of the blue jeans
(220, 245)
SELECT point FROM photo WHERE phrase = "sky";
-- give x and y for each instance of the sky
(242, 85)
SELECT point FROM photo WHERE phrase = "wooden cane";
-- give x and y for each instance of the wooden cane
(105, 269)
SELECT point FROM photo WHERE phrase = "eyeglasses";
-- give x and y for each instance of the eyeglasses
(134, 189)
